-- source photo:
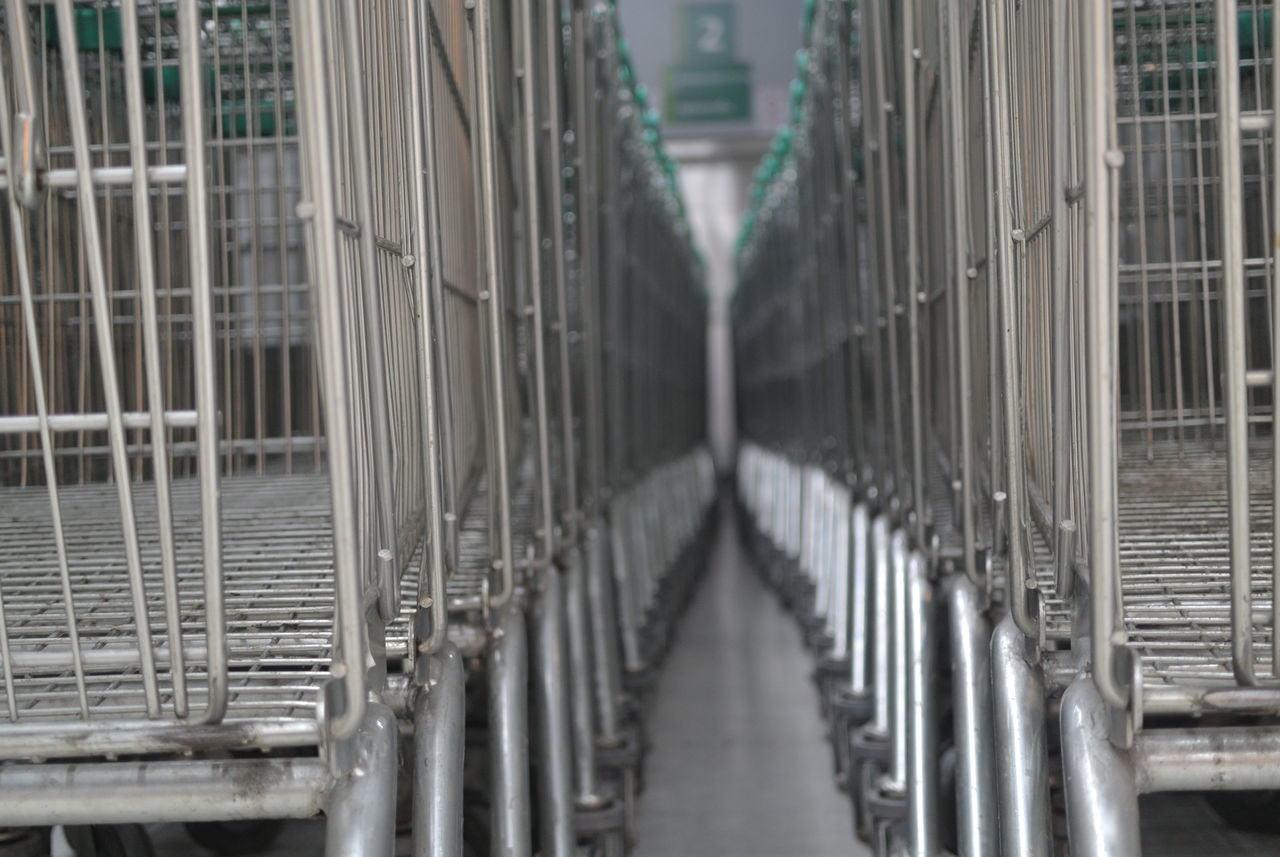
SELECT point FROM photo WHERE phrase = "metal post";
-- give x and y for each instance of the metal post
(1022, 753)
(1102, 794)
(509, 734)
(439, 730)
(580, 675)
(604, 634)
(555, 752)
(922, 712)
(977, 818)
(361, 810)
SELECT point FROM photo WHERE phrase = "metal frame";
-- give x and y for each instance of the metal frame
(1059, 402)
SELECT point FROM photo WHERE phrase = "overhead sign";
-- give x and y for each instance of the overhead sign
(708, 84)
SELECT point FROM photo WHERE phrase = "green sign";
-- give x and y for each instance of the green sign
(708, 84)
(708, 33)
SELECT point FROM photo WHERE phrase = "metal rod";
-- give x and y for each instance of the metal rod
(922, 711)
(553, 674)
(439, 733)
(1234, 336)
(360, 811)
(376, 391)
(1100, 159)
(509, 734)
(314, 104)
(99, 287)
(159, 791)
(1205, 758)
(427, 278)
(1022, 750)
(499, 465)
(1102, 796)
(977, 813)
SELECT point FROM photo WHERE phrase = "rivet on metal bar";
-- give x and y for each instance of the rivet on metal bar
(1258, 377)
(1255, 123)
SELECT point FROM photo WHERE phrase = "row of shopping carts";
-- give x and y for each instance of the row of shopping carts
(351, 421)
(1005, 334)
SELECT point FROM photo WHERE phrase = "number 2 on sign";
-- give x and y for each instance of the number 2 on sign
(711, 34)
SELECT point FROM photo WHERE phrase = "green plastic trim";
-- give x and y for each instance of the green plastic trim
(88, 36)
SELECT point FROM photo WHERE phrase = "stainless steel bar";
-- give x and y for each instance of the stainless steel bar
(861, 621)
(427, 278)
(439, 733)
(51, 740)
(956, 52)
(604, 635)
(18, 233)
(977, 812)
(553, 56)
(499, 464)
(910, 54)
(1102, 795)
(923, 711)
(1020, 573)
(1022, 751)
(551, 687)
(1205, 758)
(580, 679)
(132, 420)
(151, 791)
(899, 677)
(146, 273)
(431, 188)
(1275, 360)
(881, 647)
(202, 323)
(314, 102)
(99, 287)
(1063, 547)
(360, 811)
(375, 352)
(1234, 343)
(67, 179)
(583, 111)
(1100, 158)
(509, 734)
(529, 80)
(26, 147)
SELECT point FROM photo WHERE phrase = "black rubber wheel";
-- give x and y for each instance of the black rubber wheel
(234, 838)
(1255, 812)
(109, 840)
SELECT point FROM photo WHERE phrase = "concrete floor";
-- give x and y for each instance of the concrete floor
(740, 762)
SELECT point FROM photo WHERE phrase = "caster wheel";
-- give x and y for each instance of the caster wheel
(109, 840)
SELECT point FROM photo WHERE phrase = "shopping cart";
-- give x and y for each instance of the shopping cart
(216, 484)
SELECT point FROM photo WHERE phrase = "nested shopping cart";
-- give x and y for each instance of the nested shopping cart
(216, 413)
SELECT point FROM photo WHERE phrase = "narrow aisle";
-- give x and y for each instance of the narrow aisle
(740, 763)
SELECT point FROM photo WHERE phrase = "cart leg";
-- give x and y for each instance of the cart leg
(555, 770)
(509, 734)
(362, 807)
(976, 813)
(922, 713)
(1022, 750)
(439, 729)
(1102, 794)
